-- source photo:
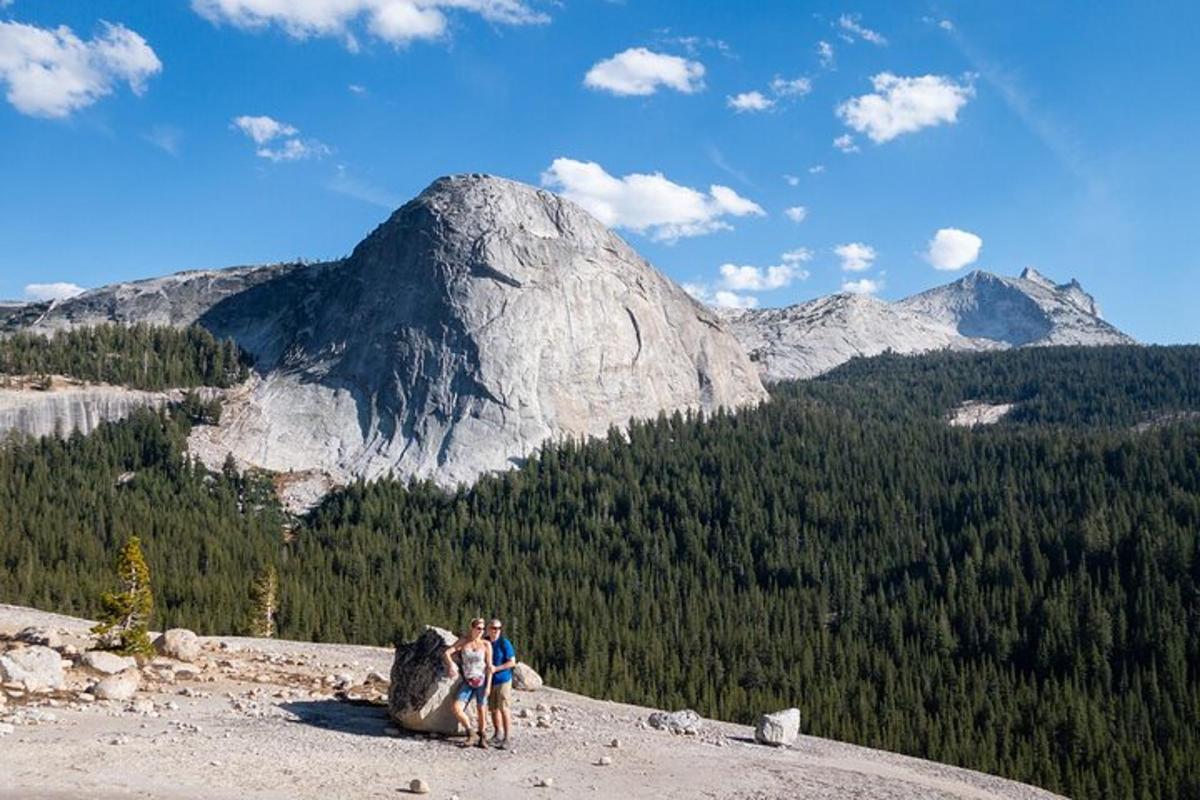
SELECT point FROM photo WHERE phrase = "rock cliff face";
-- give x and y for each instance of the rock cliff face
(72, 408)
(482, 319)
(980, 311)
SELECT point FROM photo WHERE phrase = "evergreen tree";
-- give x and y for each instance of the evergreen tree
(264, 603)
(126, 612)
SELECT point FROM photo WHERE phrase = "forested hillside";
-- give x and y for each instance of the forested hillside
(139, 356)
(1022, 599)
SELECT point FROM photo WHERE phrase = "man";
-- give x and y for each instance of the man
(504, 658)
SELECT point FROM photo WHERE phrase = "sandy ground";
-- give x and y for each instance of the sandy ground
(261, 720)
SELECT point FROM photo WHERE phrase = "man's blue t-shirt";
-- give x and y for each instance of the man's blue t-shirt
(502, 650)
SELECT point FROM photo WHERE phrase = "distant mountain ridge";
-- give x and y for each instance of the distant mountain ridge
(980, 311)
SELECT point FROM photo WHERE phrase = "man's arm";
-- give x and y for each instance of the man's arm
(512, 661)
(487, 666)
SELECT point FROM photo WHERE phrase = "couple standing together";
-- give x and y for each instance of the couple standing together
(487, 665)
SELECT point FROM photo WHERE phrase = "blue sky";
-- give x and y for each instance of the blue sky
(1048, 135)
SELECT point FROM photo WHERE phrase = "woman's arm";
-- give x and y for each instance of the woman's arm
(448, 656)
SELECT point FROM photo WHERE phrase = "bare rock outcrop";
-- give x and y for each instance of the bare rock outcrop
(421, 693)
(179, 644)
(979, 311)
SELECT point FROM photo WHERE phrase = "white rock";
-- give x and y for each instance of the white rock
(685, 722)
(525, 678)
(106, 663)
(118, 687)
(33, 668)
(418, 786)
(6, 728)
(779, 729)
(178, 643)
(46, 637)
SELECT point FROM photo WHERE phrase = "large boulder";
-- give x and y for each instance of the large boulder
(779, 729)
(118, 687)
(421, 694)
(105, 662)
(179, 644)
(35, 667)
(525, 678)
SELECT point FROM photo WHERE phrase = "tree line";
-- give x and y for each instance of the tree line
(137, 356)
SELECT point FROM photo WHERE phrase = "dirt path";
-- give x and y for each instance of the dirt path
(261, 720)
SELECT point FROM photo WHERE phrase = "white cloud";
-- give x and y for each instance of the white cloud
(263, 129)
(395, 21)
(749, 101)
(852, 27)
(797, 256)
(825, 54)
(649, 204)
(638, 71)
(52, 291)
(951, 248)
(862, 286)
(722, 298)
(53, 73)
(796, 213)
(791, 87)
(845, 143)
(904, 105)
(855, 256)
(816, 169)
(946, 25)
(357, 89)
(727, 299)
(746, 278)
(791, 180)
(278, 141)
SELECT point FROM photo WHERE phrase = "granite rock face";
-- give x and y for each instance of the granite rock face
(72, 408)
(420, 695)
(482, 319)
(980, 311)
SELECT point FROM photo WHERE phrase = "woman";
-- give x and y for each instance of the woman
(475, 653)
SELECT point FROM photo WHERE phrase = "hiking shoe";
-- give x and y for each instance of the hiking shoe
(483, 745)
(502, 744)
(469, 741)
(496, 740)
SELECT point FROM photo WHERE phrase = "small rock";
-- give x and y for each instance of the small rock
(615, 744)
(85, 697)
(544, 783)
(523, 713)
(106, 663)
(542, 707)
(118, 687)
(685, 721)
(178, 643)
(142, 706)
(779, 729)
(543, 722)
(6, 728)
(418, 786)
(40, 636)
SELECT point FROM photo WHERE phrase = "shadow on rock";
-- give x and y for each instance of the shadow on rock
(344, 716)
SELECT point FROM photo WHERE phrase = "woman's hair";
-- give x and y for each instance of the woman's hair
(476, 621)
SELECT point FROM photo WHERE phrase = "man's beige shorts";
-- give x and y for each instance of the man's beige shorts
(501, 696)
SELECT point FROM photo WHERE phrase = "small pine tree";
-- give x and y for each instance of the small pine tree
(126, 612)
(263, 603)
